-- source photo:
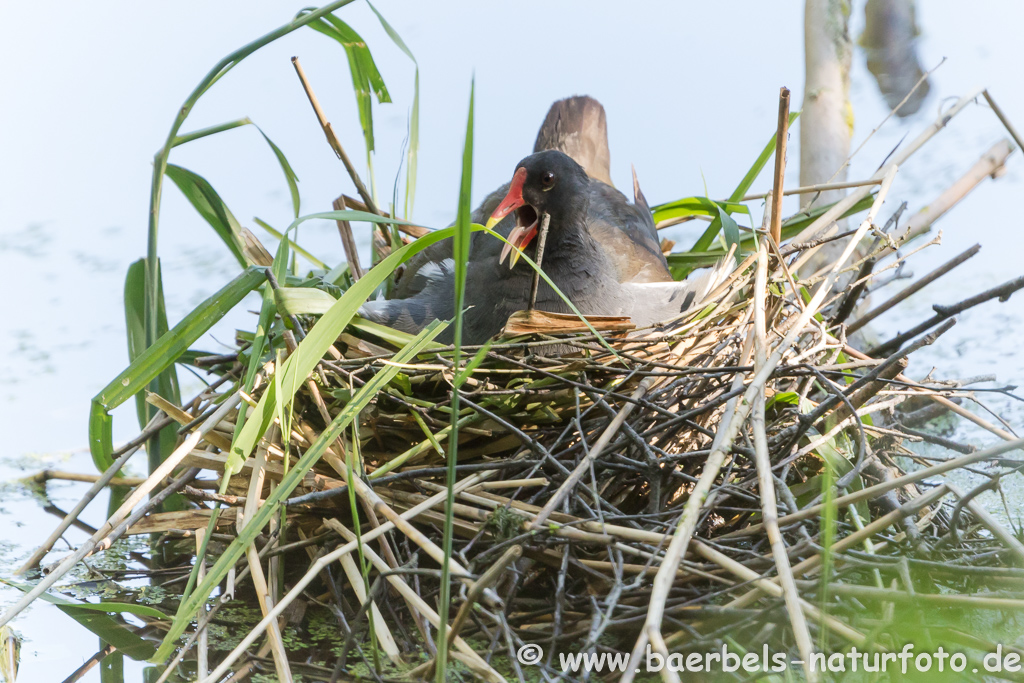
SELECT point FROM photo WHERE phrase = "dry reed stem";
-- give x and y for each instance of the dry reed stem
(766, 483)
(781, 141)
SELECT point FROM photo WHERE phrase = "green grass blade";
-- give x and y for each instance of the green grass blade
(393, 34)
(166, 383)
(112, 666)
(268, 310)
(366, 79)
(460, 251)
(189, 606)
(353, 216)
(472, 365)
(694, 206)
(158, 357)
(317, 263)
(414, 115)
(211, 207)
(212, 130)
(388, 334)
(758, 166)
(160, 161)
(289, 173)
(303, 300)
(796, 223)
(96, 618)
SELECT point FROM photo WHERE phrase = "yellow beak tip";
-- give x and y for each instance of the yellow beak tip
(492, 221)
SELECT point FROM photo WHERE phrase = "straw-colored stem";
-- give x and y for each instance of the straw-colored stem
(766, 483)
(781, 140)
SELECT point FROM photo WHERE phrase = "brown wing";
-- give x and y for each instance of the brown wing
(627, 234)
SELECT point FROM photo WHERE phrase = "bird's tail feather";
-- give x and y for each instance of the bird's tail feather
(577, 127)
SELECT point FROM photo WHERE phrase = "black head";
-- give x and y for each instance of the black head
(547, 182)
(554, 184)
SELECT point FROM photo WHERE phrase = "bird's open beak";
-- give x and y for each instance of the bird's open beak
(518, 238)
(512, 201)
(521, 235)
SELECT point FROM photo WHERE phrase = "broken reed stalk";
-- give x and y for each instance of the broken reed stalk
(333, 141)
(781, 141)
(348, 241)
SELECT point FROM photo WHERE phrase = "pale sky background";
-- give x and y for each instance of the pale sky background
(89, 91)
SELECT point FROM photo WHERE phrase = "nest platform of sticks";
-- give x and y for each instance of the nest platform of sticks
(739, 477)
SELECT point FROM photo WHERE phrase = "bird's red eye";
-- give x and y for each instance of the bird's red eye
(548, 179)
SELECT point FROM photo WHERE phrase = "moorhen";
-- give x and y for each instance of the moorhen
(601, 251)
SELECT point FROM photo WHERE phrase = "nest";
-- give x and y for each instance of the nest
(736, 478)
(672, 471)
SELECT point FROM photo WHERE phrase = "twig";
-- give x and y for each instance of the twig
(1002, 292)
(990, 522)
(1003, 118)
(487, 579)
(88, 664)
(812, 189)
(912, 289)
(541, 241)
